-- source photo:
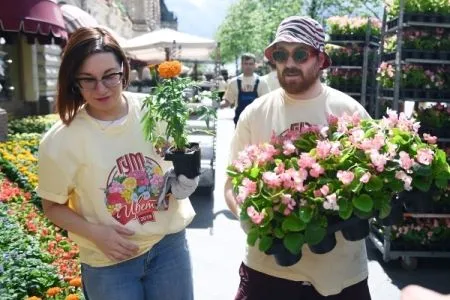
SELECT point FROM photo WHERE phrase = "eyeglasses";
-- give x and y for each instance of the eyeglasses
(300, 55)
(109, 81)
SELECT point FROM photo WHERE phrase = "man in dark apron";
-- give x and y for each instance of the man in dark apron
(245, 88)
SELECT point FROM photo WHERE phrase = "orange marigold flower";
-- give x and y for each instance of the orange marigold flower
(76, 282)
(34, 298)
(169, 69)
(72, 297)
(53, 291)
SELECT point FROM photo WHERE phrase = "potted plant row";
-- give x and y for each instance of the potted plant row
(427, 11)
(344, 28)
(306, 184)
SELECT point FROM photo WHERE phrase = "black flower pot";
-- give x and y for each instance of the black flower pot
(417, 201)
(356, 231)
(326, 245)
(283, 256)
(396, 215)
(185, 162)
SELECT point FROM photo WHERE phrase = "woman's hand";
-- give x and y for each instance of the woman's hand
(111, 240)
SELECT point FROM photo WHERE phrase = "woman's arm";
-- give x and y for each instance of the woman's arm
(111, 240)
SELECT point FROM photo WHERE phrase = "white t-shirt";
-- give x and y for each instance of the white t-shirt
(248, 84)
(110, 175)
(272, 80)
(275, 112)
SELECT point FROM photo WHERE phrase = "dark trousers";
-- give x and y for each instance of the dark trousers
(259, 286)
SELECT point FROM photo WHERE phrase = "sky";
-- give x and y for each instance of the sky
(199, 17)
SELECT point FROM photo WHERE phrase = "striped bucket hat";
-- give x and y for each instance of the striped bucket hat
(297, 29)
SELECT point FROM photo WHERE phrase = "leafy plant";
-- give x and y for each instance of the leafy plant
(292, 187)
(168, 105)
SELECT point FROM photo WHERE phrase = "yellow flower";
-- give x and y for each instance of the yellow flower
(130, 183)
(169, 69)
(34, 298)
(126, 194)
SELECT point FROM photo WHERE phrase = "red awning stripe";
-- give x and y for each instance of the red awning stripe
(40, 17)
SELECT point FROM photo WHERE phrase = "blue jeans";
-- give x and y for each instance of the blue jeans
(162, 273)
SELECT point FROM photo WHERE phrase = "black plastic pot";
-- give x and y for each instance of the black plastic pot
(396, 215)
(416, 201)
(356, 231)
(326, 245)
(283, 256)
(185, 162)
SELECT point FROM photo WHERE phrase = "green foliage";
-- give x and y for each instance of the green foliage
(33, 124)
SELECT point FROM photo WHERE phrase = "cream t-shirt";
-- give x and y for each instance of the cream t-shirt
(248, 84)
(110, 175)
(272, 80)
(275, 112)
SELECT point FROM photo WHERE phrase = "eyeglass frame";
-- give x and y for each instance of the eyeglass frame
(308, 51)
(77, 80)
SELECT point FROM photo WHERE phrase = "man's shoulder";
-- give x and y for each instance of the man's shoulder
(339, 102)
(266, 101)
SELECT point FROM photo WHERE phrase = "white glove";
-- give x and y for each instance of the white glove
(181, 187)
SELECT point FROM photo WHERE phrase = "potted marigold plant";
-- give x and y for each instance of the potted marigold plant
(166, 104)
(304, 186)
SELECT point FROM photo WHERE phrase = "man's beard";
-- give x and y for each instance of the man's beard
(305, 82)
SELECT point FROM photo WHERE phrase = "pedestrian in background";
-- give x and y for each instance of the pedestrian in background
(100, 180)
(298, 53)
(271, 78)
(245, 88)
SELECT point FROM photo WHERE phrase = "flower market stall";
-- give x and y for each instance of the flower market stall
(352, 46)
(414, 71)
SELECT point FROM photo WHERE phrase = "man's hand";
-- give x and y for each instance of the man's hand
(112, 241)
(415, 292)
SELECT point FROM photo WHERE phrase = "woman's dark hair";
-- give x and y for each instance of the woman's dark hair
(83, 43)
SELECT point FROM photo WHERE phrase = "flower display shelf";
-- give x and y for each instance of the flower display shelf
(411, 55)
(363, 61)
(419, 19)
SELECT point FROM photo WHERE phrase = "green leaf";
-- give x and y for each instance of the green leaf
(252, 236)
(306, 214)
(265, 243)
(294, 242)
(374, 184)
(385, 209)
(422, 170)
(363, 202)
(292, 223)
(441, 183)
(314, 233)
(345, 208)
(278, 232)
(254, 172)
(422, 183)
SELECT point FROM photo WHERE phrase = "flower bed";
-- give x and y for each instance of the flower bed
(302, 183)
(37, 260)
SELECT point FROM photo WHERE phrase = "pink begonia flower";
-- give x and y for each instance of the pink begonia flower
(335, 148)
(425, 156)
(378, 160)
(317, 193)
(306, 161)
(332, 120)
(325, 190)
(288, 148)
(323, 149)
(250, 185)
(316, 170)
(324, 131)
(271, 179)
(407, 180)
(356, 118)
(406, 162)
(365, 178)
(356, 136)
(279, 169)
(331, 202)
(346, 177)
(392, 150)
(289, 202)
(429, 138)
(255, 216)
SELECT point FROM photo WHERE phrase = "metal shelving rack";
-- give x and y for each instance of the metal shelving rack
(383, 243)
(365, 98)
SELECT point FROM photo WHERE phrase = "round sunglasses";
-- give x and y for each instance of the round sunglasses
(299, 55)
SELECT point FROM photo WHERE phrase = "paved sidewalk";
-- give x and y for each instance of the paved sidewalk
(217, 245)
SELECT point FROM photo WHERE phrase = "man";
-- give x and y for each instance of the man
(245, 88)
(271, 78)
(298, 52)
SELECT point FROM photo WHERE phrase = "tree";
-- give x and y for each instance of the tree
(250, 25)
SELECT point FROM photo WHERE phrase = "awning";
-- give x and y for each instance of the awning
(41, 19)
(75, 18)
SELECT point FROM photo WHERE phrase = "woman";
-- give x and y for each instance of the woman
(100, 180)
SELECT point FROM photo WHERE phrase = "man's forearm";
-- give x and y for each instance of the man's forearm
(224, 103)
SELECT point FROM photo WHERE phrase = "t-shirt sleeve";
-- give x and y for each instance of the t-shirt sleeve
(55, 175)
(263, 87)
(241, 137)
(231, 93)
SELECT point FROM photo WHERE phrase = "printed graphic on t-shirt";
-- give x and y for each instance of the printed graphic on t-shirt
(133, 187)
(247, 87)
(296, 127)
